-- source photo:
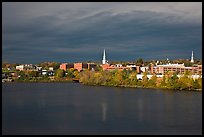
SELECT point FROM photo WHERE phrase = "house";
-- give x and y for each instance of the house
(44, 72)
(51, 68)
(20, 67)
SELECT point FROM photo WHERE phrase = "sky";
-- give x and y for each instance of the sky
(34, 32)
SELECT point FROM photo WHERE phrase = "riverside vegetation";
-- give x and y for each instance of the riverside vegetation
(129, 79)
(125, 78)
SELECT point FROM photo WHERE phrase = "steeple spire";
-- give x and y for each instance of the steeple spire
(104, 57)
(192, 60)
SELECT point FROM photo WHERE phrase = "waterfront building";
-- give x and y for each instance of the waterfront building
(140, 76)
(144, 68)
(38, 68)
(44, 72)
(109, 67)
(65, 66)
(51, 68)
(179, 68)
(82, 66)
(26, 67)
(20, 67)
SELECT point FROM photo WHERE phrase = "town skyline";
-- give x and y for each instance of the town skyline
(102, 61)
(79, 32)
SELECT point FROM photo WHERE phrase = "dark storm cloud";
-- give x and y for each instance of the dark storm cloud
(68, 35)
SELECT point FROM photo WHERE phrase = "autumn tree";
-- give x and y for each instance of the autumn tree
(152, 81)
(59, 73)
(144, 80)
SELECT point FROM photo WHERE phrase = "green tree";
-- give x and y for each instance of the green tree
(152, 81)
(59, 73)
(70, 73)
(199, 83)
(33, 74)
(174, 81)
(145, 80)
(76, 73)
(133, 78)
(196, 84)
(186, 82)
(139, 62)
(98, 68)
(118, 77)
(163, 82)
(98, 78)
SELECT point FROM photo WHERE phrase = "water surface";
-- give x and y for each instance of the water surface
(71, 108)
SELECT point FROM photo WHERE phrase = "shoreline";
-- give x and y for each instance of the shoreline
(140, 87)
(122, 86)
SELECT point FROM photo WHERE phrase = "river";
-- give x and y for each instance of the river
(72, 108)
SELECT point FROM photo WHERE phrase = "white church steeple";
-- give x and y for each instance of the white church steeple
(192, 60)
(104, 57)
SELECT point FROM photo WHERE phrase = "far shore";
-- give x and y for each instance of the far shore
(124, 86)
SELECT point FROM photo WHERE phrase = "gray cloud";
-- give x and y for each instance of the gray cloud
(34, 32)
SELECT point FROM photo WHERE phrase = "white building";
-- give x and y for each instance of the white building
(20, 67)
(139, 76)
(51, 68)
(38, 68)
(131, 66)
(44, 72)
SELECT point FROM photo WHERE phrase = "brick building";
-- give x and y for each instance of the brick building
(65, 66)
(120, 67)
(180, 68)
(82, 66)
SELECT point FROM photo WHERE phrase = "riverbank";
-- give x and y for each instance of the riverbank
(46, 81)
(141, 87)
(92, 84)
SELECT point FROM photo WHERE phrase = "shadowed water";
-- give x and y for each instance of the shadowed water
(71, 108)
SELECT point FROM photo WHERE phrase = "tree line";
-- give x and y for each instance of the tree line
(128, 78)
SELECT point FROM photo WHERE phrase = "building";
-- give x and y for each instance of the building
(106, 66)
(120, 67)
(65, 66)
(192, 60)
(20, 67)
(144, 69)
(82, 66)
(26, 67)
(104, 61)
(51, 68)
(44, 72)
(38, 68)
(91, 66)
(179, 68)
(140, 76)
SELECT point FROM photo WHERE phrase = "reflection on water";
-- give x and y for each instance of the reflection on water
(104, 112)
(140, 109)
(71, 108)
